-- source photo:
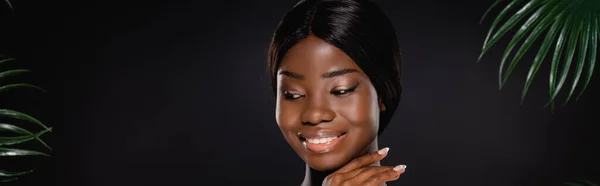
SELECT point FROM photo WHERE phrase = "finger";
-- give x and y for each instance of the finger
(371, 171)
(385, 176)
(365, 160)
(365, 172)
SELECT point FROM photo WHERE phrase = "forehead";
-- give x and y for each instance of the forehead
(313, 55)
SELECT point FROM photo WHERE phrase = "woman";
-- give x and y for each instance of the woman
(335, 70)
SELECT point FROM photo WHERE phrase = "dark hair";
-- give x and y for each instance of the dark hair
(357, 27)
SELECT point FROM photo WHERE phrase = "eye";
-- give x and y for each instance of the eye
(291, 96)
(343, 91)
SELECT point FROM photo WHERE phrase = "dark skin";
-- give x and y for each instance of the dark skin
(321, 89)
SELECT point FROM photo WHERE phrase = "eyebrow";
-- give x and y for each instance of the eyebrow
(327, 75)
(338, 73)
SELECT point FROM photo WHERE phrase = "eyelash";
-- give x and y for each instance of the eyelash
(344, 91)
(291, 96)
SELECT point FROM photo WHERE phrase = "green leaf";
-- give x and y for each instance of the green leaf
(572, 42)
(6, 60)
(526, 27)
(13, 174)
(13, 73)
(9, 180)
(21, 116)
(510, 23)
(19, 85)
(489, 9)
(595, 25)
(557, 56)
(19, 130)
(537, 62)
(20, 152)
(495, 23)
(13, 128)
(9, 4)
(582, 54)
(545, 22)
(21, 139)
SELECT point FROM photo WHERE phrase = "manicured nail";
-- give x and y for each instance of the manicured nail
(383, 151)
(399, 167)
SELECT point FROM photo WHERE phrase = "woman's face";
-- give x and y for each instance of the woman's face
(327, 108)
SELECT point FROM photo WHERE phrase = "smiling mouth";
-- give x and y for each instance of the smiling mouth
(322, 144)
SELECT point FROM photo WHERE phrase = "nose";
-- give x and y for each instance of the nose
(317, 111)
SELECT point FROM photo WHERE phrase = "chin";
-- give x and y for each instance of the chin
(325, 163)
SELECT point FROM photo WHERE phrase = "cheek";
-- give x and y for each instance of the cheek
(361, 110)
(286, 114)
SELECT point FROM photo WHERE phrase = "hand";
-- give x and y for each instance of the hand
(359, 172)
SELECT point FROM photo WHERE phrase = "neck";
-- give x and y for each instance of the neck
(314, 177)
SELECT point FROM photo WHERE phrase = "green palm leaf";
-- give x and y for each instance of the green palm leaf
(21, 116)
(489, 9)
(19, 85)
(571, 46)
(9, 180)
(21, 139)
(556, 57)
(6, 60)
(582, 54)
(530, 6)
(13, 73)
(9, 4)
(593, 35)
(26, 135)
(12, 128)
(12, 174)
(496, 21)
(537, 62)
(20, 152)
(550, 12)
(577, 26)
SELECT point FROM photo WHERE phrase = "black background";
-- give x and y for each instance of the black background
(177, 93)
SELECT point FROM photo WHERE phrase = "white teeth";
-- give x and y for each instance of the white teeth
(321, 140)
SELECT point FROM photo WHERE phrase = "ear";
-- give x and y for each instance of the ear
(381, 105)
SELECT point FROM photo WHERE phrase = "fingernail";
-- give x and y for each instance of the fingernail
(383, 151)
(399, 167)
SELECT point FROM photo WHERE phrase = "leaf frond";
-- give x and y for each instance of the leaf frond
(20, 85)
(489, 42)
(489, 9)
(571, 47)
(583, 48)
(20, 139)
(20, 152)
(550, 15)
(539, 58)
(12, 73)
(594, 40)
(15, 129)
(9, 4)
(6, 60)
(13, 174)
(21, 116)
(9, 180)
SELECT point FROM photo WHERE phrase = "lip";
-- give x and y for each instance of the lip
(322, 147)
